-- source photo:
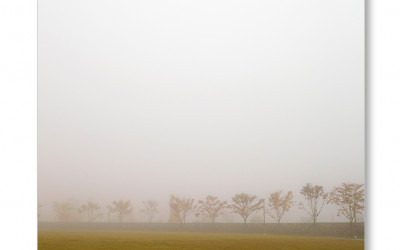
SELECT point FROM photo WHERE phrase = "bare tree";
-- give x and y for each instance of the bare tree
(110, 210)
(349, 197)
(175, 210)
(211, 207)
(180, 208)
(315, 197)
(62, 210)
(131, 212)
(187, 206)
(264, 211)
(150, 209)
(92, 211)
(122, 208)
(280, 204)
(245, 204)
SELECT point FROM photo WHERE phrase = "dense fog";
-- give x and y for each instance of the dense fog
(141, 100)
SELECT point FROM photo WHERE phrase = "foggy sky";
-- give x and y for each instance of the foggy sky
(142, 99)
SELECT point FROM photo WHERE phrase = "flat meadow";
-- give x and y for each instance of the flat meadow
(99, 239)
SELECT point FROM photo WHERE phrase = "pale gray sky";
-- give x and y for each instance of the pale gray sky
(142, 99)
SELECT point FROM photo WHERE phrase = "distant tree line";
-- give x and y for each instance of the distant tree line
(348, 197)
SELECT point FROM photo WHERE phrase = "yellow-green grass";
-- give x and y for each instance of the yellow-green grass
(81, 239)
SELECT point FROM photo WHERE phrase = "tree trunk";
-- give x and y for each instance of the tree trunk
(264, 220)
(351, 226)
(355, 225)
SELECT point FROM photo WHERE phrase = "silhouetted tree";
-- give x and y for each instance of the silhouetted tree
(110, 210)
(245, 204)
(180, 208)
(131, 212)
(122, 209)
(280, 204)
(349, 197)
(211, 207)
(186, 206)
(315, 198)
(92, 211)
(175, 210)
(264, 211)
(62, 210)
(150, 209)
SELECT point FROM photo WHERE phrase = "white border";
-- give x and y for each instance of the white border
(18, 180)
(18, 124)
(383, 124)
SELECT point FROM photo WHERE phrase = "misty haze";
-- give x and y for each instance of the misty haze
(152, 103)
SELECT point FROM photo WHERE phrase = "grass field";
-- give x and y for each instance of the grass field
(82, 239)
